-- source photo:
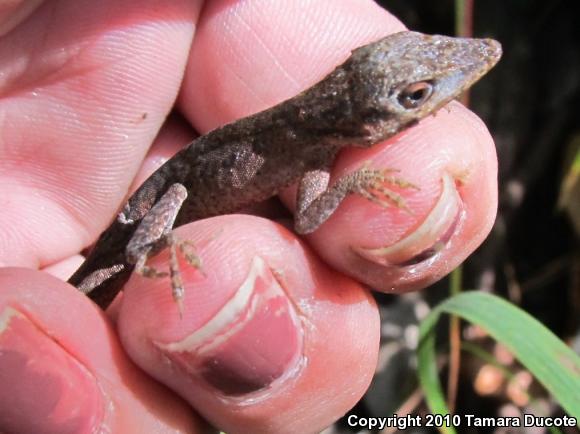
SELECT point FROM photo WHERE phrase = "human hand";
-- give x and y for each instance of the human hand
(86, 88)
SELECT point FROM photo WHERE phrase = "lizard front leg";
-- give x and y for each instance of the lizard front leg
(317, 201)
(154, 233)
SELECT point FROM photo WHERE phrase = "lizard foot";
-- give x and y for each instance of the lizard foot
(371, 185)
(187, 250)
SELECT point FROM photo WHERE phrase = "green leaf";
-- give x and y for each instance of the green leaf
(553, 363)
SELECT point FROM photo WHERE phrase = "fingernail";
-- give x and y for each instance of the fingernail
(251, 344)
(14, 12)
(429, 238)
(43, 388)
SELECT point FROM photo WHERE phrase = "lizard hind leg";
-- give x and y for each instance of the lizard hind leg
(154, 233)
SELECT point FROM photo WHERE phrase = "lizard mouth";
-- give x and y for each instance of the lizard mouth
(429, 239)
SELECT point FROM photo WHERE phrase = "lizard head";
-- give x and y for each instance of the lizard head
(406, 76)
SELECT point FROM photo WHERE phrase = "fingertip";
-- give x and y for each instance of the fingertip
(264, 337)
(72, 374)
(451, 158)
(30, 362)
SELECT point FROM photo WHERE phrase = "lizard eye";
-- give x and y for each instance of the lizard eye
(415, 94)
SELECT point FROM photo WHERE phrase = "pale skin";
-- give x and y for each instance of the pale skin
(66, 178)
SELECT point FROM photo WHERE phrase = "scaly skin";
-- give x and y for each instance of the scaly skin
(381, 89)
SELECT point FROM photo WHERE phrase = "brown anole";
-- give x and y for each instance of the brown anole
(381, 89)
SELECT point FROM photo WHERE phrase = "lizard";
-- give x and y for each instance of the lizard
(381, 89)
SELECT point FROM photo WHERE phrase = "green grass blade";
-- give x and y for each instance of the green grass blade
(553, 364)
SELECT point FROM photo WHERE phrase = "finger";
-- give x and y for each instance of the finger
(267, 330)
(272, 54)
(63, 370)
(451, 159)
(175, 134)
(80, 106)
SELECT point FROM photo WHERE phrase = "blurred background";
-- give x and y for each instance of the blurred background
(531, 104)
